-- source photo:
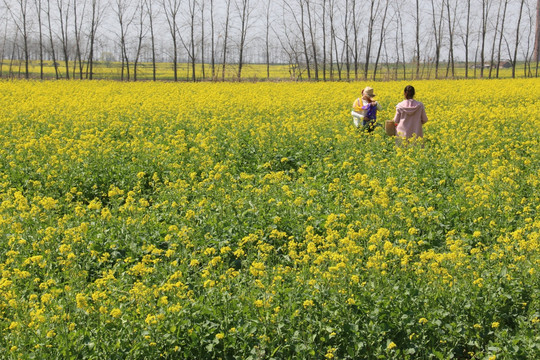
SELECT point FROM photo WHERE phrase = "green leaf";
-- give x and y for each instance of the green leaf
(438, 354)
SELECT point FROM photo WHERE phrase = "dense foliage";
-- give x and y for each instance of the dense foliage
(253, 221)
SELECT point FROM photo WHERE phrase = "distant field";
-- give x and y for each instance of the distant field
(254, 221)
(253, 72)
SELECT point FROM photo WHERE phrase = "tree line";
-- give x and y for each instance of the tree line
(315, 39)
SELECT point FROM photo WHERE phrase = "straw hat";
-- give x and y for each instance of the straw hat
(369, 91)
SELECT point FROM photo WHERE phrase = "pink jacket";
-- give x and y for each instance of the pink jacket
(410, 115)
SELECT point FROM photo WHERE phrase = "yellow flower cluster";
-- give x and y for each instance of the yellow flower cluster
(174, 213)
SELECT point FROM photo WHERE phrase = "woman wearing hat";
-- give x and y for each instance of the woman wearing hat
(365, 110)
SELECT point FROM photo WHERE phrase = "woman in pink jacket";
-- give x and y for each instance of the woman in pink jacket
(410, 116)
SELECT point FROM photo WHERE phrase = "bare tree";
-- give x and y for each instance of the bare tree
(311, 27)
(396, 39)
(203, 2)
(53, 53)
(527, 53)
(536, 55)
(141, 33)
(226, 37)
(192, 4)
(372, 13)
(125, 19)
(492, 60)
(14, 48)
(476, 52)
(466, 39)
(171, 9)
(39, 11)
(402, 40)
(301, 26)
(371, 22)
(268, 25)
(304, 40)
(2, 54)
(346, 45)
(387, 60)
(318, 38)
(151, 15)
(334, 55)
(417, 24)
(63, 11)
(356, 46)
(20, 18)
(437, 32)
(451, 27)
(331, 52)
(287, 47)
(514, 61)
(323, 20)
(245, 10)
(98, 11)
(77, 30)
(501, 37)
(486, 4)
(381, 39)
(213, 41)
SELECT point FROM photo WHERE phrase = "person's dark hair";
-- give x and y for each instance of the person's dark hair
(409, 92)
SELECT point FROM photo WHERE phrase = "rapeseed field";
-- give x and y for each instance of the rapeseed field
(254, 221)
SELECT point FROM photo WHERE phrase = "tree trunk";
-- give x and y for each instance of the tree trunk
(339, 64)
(451, 27)
(37, 4)
(12, 58)
(22, 27)
(3, 50)
(346, 42)
(244, 25)
(25, 37)
(171, 8)
(140, 37)
(64, 33)
(396, 38)
(90, 66)
(203, 68)
(467, 39)
(304, 41)
(372, 13)
(51, 40)
(356, 48)
(485, 14)
(501, 38)
(192, 6)
(383, 31)
(267, 38)
(517, 40)
(437, 31)
(476, 56)
(213, 39)
(152, 37)
(417, 38)
(312, 35)
(78, 31)
(332, 36)
(324, 38)
(225, 38)
(492, 60)
(537, 37)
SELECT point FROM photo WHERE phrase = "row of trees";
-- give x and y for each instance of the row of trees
(317, 39)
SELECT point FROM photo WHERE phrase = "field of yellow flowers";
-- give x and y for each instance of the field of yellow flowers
(253, 221)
